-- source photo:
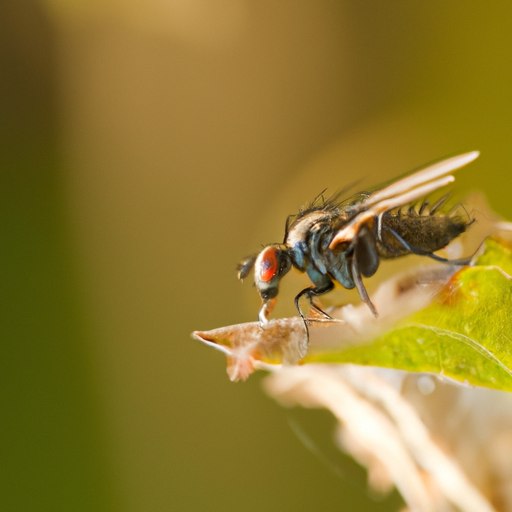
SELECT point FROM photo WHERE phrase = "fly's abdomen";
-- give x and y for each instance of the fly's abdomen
(428, 233)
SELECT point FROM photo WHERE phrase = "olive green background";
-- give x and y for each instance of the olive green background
(144, 149)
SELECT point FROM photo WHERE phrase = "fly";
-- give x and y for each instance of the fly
(344, 241)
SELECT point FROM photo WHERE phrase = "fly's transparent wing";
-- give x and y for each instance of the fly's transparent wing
(421, 178)
(401, 192)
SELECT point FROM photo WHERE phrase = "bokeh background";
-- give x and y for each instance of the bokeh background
(145, 147)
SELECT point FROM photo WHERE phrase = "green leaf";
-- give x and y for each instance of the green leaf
(464, 334)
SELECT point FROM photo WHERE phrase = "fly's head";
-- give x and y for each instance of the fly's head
(270, 265)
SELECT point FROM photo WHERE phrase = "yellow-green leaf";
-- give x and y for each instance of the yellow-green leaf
(464, 334)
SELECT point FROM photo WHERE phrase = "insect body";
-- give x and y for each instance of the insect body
(342, 241)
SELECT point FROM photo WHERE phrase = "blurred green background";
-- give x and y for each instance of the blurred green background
(144, 149)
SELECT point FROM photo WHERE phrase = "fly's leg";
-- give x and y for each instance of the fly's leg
(358, 281)
(311, 292)
(420, 252)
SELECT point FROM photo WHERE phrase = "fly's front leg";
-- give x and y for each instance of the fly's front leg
(311, 292)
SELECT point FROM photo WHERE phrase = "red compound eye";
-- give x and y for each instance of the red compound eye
(268, 264)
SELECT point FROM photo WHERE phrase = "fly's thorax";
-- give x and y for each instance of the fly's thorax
(271, 264)
(299, 255)
(301, 228)
(308, 236)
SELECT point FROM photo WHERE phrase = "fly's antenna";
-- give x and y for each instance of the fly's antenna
(245, 266)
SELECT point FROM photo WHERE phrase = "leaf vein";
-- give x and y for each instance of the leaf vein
(475, 345)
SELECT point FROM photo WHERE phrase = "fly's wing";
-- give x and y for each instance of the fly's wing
(401, 192)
